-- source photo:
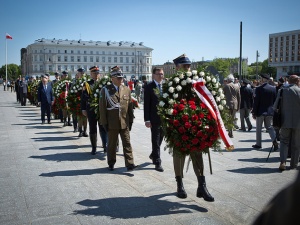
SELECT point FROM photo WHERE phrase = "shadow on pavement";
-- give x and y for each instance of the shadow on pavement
(255, 170)
(72, 147)
(59, 157)
(261, 160)
(136, 207)
(55, 138)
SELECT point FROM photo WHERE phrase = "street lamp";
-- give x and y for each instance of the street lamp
(257, 55)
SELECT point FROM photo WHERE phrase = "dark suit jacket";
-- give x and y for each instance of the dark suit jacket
(23, 87)
(246, 97)
(150, 104)
(45, 97)
(265, 96)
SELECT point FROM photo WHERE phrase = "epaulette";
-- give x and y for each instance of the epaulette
(88, 88)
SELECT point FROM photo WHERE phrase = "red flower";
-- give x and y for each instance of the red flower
(181, 130)
(194, 148)
(194, 129)
(209, 117)
(177, 144)
(195, 141)
(199, 123)
(181, 107)
(185, 137)
(193, 107)
(210, 129)
(191, 102)
(175, 112)
(176, 123)
(203, 106)
(188, 146)
(185, 118)
(183, 101)
(194, 117)
(201, 115)
(199, 134)
(187, 125)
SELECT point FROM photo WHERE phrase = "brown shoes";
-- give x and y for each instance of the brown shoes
(282, 167)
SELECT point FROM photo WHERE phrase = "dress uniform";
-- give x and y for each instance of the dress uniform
(87, 109)
(183, 63)
(82, 120)
(66, 113)
(116, 116)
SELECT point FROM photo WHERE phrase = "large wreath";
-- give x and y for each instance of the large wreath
(74, 95)
(188, 124)
(33, 91)
(59, 92)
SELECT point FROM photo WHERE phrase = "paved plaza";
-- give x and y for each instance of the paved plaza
(48, 176)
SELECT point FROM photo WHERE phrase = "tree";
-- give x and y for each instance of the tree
(266, 69)
(13, 71)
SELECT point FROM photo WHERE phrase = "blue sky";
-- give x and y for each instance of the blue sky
(201, 29)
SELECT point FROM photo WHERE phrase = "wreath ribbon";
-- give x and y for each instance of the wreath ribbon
(207, 98)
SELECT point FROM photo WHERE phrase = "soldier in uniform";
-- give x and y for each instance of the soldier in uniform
(183, 63)
(82, 120)
(66, 113)
(116, 116)
(86, 108)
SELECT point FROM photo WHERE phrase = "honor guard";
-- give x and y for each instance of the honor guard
(116, 116)
(66, 114)
(82, 120)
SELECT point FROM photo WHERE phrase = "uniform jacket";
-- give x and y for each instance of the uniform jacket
(23, 87)
(85, 96)
(246, 97)
(290, 106)
(45, 96)
(232, 95)
(265, 96)
(116, 118)
(150, 104)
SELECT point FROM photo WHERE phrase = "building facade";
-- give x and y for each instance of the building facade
(49, 56)
(284, 52)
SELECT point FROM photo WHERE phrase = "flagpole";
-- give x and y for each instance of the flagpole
(5, 62)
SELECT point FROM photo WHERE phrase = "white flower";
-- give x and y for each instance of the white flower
(188, 74)
(222, 96)
(176, 79)
(214, 80)
(213, 93)
(223, 102)
(74, 87)
(81, 84)
(100, 86)
(72, 91)
(216, 85)
(105, 77)
(103, 82)
(165, 95)
(76, 91)
(189, 80)
(108, 83)
(181, 76)
(218, 99)
(208, 78)
(194, 72)
(170, 83)
(178, 88)
(202, 74)
(175, 95)
(77, 86)
(95, 95)
(220, 90)
(161, 103)
(171, 101)
(195, 78)
(97, 90)
(170, 111)
(183, 83)
(171, 89)
(80, 88)
(220, 107)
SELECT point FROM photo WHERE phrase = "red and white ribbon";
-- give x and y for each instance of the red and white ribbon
(207, 98)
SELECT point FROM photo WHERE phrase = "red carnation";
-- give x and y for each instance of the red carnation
(202, 145)
(193, 107)
(195, 141)
(176, 123)
(199, 123)
(210, 129)
(183, 101)
(185, 118)
(175, 112)
(187, 125)
(181, 130)
(183, 149)
(177, 144)
(201, 115)
(199, 134)
(181, 107)
(175, 106)
(194, 117)
(191, 102)
(185, 138)
(203, 106)
(209, 117)
(194, 129)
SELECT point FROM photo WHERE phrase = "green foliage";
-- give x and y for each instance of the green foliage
(13, 71)
(266, 69)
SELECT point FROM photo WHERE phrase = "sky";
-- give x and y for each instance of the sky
(200, 29)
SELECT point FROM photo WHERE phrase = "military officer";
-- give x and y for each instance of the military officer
(183, 63)
(82, 120)
(66, 113)
(86, 109)
(116, 116)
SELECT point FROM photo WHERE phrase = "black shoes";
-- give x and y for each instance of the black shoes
(84, 134)
(180, 189)
(242, 129)
(111, 167)
(250, 128)
(159, 168)
(275, 144)
(256, 146)
(202, 191)
(49, 122)
(43, 122)
(131, 167)
(93, 152)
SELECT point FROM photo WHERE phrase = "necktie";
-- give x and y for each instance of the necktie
(159, 87)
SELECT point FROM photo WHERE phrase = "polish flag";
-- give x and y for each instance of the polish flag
(8, 36)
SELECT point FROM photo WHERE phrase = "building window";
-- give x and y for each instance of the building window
(50, 68)
(132, 69)
(121, 67)
(58, 51)
(97, 52)
(121, 53)
(72, 52)
(103, 52)
(85, 67)
(121, 59)
(59, 67)
(59, 58)
(66, 58)
(35, 58)
(50, 51)
(284, 69)
(148, 69)
(78, 51)
(127, 53)
(148, 61)
(127, 59)
(72, 58)
(35, 51)
(97, 58)
(109, 59)
(84, 59)
(41, 51)
(132, 53)
(116, 53)
(72, 68)
(132, 59)
(281, 59)
(78, 58)
(109, 53)
(271, 60)
(103, 68)
(91, 59)
(41, 58)
(41, 68)
(65, 67)
(115, 59)
(103, 59)
(66, 51)
(92, 52)
(127, 68)
(84, 52)
(35, 68)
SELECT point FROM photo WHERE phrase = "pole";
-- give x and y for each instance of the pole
(256, 65)
(241, 35)
(5, 63)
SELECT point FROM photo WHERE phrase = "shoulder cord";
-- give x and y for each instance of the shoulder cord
(111, 102)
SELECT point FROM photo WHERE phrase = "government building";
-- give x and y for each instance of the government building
(284, 52)
(52, 55)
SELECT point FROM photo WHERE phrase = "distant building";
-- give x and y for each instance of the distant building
(284, 52)
(49, 56)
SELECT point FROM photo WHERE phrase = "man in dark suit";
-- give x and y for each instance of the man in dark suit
(23, 91)
(45, 98)
(152, 119)
(264, 99)
(246, 104)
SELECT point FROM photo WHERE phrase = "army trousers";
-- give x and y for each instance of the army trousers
(197, 161)
(112, 145)
(82, 122)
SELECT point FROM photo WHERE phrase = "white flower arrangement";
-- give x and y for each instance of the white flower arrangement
(165, 95)
(201, 74)
(194, 72)
(161, 103)
(178, 88)
(183, 83)
(171, 89)
(176, 80)
(175, 95)
(181, 76)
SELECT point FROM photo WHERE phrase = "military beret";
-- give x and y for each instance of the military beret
(183, 59)
(64, 72)
(116, 72)
(246, 81)
(265, 75)
(94, 69)
(56, 74)
(81, 70)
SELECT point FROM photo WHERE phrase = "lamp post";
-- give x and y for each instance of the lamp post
(257, 55)
(138, 63)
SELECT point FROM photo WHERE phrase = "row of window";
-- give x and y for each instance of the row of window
(287, 59)
(286, 38)
(73, 68)
(89, 52)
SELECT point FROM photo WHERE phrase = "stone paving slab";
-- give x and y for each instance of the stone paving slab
(47, 176)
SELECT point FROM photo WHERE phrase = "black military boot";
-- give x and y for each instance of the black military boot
(69, 122)
(180, 189)
(84, 134)
(202, 190)
(65, 122)
(93, 138)
(80, 132)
